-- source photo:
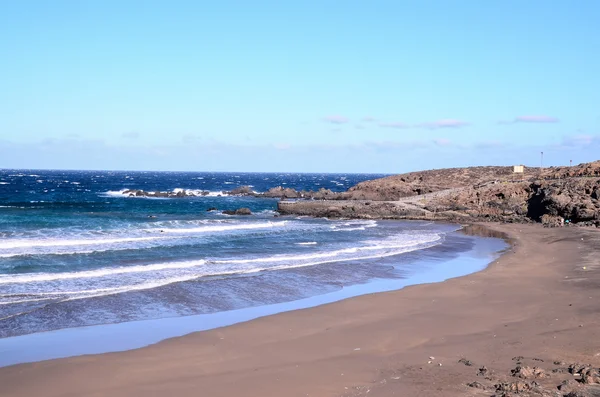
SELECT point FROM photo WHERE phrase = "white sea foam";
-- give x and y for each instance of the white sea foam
(4, 183)
(8, 244)
(187, 192)
(215, 194)
(222, 228)
(174, 272)
(228, 266)
(32, 287)
(109, 271)
(85, 294)
(115, 193)
(162, 233)
(354, 226)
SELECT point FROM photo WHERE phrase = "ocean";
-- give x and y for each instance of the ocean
(75, 251)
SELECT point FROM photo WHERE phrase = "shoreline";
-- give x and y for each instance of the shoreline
(435, 264)
(536, 300)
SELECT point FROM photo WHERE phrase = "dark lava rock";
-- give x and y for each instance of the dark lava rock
(466, 362)
(212, 209)
(477, 385)
(239, 211)
(242, 191)
(578, 368)
(578, 393)
(568, 386)
(243, 211)
(483, 371)
(280, 192)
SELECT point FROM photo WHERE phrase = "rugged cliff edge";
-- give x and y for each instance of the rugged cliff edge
(553, 196)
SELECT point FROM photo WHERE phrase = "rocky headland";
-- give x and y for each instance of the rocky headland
(553, 196)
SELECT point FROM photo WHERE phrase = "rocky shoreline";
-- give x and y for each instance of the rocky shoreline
(553, 196)
(275, 192)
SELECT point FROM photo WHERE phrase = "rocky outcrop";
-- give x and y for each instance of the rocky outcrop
(351, 209)
(526, 372)
(241, 191)
(239, 211)
(553, 196)
(281, 192)
(528, 381)
(289, 193)
(553, 203)
(465, 194)
(584, 170)
(418, 183)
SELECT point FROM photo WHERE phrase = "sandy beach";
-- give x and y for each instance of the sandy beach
(540, 300)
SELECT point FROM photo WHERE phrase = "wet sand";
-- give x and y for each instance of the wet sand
(540, 301)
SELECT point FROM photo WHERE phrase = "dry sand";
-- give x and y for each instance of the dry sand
(536, 301)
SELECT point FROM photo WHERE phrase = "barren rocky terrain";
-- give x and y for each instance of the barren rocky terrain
(553, 196)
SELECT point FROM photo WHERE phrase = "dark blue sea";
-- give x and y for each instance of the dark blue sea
(75, 251)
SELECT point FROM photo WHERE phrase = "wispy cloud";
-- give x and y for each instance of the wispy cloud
(189, 138)
(131, 135)
(336, 119)
(580, 140)
(369, 119)
(531, 119)
(442, 142)
(396, 124)
(282, 146)
(444, 123)
(536, 119)
(393, 146)
(489, 144)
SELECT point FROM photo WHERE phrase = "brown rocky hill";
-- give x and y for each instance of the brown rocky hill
(554, 196)
(549, 201)
(582, 170)
(422, 182)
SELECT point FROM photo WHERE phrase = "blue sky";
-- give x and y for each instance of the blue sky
(319, 86)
